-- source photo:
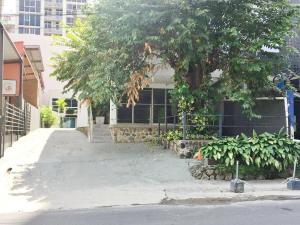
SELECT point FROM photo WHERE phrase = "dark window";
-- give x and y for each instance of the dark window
(38, 6)
(159, 96)
(70, 21)
(21, 19)
(142, 110)
(158, 113)
(48, 11)
(21, 5)
(37, 31)
(69, 102)
(142, 113)
(59, 12)
(124, 114)
(54, 105)
(145, 96)
(47, 24)
(74, 103)
(21, 30)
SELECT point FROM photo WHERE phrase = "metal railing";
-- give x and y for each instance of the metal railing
(16, 122)
(221, 125)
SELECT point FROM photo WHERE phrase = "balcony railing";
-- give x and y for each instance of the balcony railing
(53, 4)
(53, 17)
(53, 31)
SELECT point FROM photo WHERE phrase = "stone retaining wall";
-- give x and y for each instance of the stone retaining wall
(204, 171)
(133, 133)
(84, 130)
(185, 148)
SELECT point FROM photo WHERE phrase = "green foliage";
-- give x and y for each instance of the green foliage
(265, 150)
(195, 38)
(61, 103)
(48, 117)
(253, 172)
(174, 135)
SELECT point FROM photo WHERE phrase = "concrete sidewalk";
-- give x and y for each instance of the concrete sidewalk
(55, 169)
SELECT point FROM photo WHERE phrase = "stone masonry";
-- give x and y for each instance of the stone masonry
(133, 133)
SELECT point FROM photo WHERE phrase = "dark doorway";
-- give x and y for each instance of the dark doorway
(297, 115)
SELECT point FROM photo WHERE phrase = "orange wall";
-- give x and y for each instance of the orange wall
(12, 72)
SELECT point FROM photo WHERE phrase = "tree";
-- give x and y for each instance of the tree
(61, 104)
(117, 47)
(48, 117)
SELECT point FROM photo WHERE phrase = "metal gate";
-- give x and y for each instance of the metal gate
(16, 123)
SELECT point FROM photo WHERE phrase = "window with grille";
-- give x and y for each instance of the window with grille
(154, 105)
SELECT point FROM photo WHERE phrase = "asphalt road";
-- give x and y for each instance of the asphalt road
(250, 213)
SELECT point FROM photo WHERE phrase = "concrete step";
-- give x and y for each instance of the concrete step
(101, 137)
(102, 140)
(101, 133)
(101, 126)
(97, 141)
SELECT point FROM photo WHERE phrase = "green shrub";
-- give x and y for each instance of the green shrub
(48, 117)
(174, 135)
(265, 150)
(177, 135)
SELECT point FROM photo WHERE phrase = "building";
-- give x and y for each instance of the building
(22, 83)
(140, 122)
(40, 17)
(33, 22)
(53, 89)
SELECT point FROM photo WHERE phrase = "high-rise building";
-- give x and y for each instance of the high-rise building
(40, 17)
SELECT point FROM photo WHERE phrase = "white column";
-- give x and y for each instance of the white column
(112, 113)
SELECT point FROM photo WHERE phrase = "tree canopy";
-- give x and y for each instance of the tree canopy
(114, 48)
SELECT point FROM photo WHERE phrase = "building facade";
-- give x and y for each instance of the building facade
(40, 17)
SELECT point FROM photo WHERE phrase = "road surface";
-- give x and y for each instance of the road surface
(247, 213)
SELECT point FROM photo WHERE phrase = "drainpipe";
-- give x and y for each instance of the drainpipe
(20, 97)
(1, 92)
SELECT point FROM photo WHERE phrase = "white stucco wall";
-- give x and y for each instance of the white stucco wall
(35, 118)
(53, 87)
(82, 115)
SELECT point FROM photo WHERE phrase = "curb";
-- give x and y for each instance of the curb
(227, 200)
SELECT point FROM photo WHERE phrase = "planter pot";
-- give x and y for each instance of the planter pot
(100, 120)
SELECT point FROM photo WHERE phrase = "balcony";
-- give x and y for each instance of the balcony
(53, 31)
(53, 17)
(53, 4)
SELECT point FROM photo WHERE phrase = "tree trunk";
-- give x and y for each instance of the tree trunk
(195, 76)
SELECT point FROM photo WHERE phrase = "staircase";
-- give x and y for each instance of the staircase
(101, 133)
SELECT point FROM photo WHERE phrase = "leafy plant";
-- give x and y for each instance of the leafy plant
(61, 103)
(48, 117)
(174, 135)
(265, 150)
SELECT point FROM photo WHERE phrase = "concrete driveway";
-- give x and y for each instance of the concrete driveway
(55, 169)
(60, 169)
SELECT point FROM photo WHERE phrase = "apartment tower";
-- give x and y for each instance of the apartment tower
(40, 17)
